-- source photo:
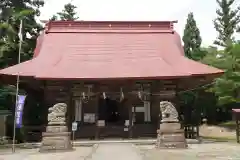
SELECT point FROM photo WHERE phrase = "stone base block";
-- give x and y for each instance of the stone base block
(53, 142)
(56, 129)
(171, 136)
(169, 127)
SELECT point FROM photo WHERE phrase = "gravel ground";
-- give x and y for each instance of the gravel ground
(118, 151)
(214, 151)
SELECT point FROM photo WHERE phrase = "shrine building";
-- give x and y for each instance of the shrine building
(111, 74)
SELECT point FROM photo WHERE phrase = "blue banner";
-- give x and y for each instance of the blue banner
(19, 110)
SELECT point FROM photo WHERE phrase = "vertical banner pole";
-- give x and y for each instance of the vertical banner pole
(73, 136)
(74, 129)
(17, 85)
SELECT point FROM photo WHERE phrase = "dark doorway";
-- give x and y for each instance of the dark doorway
(112, 111)
(109, 110)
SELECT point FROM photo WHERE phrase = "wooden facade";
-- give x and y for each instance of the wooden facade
(107, 108)
(121, 95)
(93, 113)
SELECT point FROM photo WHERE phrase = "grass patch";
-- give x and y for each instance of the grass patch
(229, 125)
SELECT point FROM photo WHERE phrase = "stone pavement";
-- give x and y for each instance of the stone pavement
(211, 151)
(80, 153)
(125, 151)
(116, 152)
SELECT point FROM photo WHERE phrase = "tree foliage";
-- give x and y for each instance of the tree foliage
(54, 18)
(226, 22)
(192, 39)
(68, 13)
(227, 87)
(12, 12)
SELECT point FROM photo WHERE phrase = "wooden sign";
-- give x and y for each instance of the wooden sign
(101, 123)
(74, 126)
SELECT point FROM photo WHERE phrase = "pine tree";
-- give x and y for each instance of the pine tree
(192, 39)
(226, 22)
(68, 13)
(54, 18)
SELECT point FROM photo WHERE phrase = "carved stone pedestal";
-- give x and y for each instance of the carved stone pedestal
(171, 136)
(56, 138)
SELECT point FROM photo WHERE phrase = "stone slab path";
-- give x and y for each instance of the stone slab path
(97, 152)
(128, 151)
(80, 153)
(211, 151)
(116, 152)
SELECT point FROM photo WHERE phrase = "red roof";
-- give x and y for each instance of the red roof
(236, 110)
(101, 50)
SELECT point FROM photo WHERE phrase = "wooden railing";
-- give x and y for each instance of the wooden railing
(191, 131)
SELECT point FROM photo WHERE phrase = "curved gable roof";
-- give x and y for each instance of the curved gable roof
(100, 50)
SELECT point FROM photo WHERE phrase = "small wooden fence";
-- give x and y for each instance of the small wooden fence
(191, 131)
(236, 114)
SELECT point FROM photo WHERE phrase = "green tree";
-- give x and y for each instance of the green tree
(53, 18)
(68, 13)
(226, 22)
(227, 87)
(192, 39)
(12, 12)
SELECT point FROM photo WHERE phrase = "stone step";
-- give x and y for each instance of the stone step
(168, 145)
(172, 138)
(169, 131)
(51, 134)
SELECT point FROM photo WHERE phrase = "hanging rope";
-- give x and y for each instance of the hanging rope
(139, 94)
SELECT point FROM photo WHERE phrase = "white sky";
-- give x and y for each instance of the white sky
(204, 12)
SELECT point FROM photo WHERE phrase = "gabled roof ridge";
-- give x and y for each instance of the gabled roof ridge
(110, 25)
(108, 31)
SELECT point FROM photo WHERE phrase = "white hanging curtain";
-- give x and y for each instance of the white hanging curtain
(78, 110)
(147, 111)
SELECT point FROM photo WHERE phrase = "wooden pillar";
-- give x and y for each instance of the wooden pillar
(69, 107)
(237, 127)
(97, 117)
(130, 118)
(196, 116)
(45, 104)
